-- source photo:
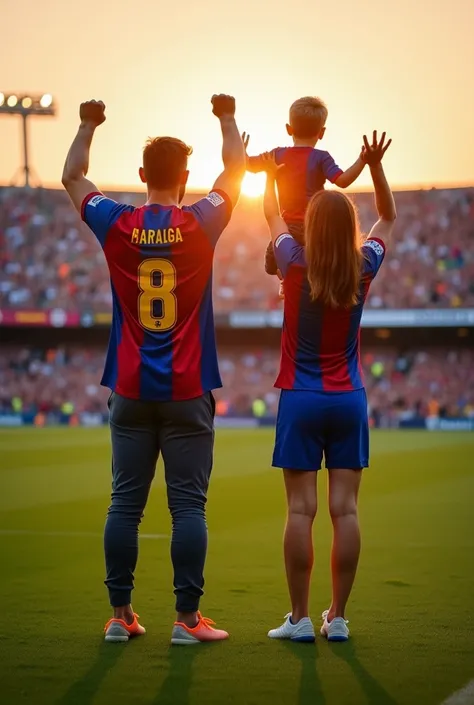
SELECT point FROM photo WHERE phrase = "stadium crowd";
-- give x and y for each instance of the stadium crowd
(48, 259)
(400, 385)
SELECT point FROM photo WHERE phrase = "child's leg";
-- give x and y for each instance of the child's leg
(296, 230)
(270, 261)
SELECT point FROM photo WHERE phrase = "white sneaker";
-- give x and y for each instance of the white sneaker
(302, 631)
(336, 630)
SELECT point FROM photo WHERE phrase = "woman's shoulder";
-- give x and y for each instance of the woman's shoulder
(373, 253)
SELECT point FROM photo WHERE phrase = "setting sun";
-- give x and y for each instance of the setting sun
(253, 185)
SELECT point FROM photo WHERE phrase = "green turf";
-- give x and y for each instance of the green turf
(411, 612)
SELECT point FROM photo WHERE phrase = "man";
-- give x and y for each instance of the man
(161, 363)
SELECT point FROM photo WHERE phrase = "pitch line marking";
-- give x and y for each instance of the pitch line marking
(465, 696)
(69, 534)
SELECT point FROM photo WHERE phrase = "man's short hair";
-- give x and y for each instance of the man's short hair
(164, 161)
(308, 116)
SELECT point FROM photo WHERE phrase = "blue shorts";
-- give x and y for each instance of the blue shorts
(312, 424)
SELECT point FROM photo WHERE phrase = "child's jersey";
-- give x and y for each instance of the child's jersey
(306, 171)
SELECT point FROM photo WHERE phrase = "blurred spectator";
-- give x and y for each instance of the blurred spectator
(413, 384)
(49, 259)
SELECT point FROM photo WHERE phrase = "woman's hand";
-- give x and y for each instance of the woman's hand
(270, 167)
(372, 154)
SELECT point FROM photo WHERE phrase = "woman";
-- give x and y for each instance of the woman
(323, 405)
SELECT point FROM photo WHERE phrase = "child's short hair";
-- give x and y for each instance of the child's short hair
(308, 116)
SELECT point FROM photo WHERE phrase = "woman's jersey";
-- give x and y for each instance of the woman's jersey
(320, 345)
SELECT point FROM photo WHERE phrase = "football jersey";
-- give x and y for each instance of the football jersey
(320, 344)
(306, 171)
(162, 343)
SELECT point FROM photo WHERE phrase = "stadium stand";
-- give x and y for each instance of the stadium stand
(54, 285)
(48, 259)
(401, 385)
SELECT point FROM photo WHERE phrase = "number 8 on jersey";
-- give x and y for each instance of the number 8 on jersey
(152, 292)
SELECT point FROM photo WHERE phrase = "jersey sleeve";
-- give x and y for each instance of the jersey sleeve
(100, 213)
(212, 213)
(330, 169)
(279, 154)
(373, 252)
(288, 252)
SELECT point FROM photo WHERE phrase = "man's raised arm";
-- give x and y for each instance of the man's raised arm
(92, 114)
(233, 150)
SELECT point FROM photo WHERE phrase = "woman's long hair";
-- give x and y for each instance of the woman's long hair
(333, 254)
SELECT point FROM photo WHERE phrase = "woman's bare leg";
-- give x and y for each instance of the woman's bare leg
(301, 492)
(343, 493)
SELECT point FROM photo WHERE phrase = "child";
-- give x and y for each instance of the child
(304, 169)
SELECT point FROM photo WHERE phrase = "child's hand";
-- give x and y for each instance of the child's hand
(372, 154)
(269, 165)
(245, 140)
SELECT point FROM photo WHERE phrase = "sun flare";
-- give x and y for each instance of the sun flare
(253, 185)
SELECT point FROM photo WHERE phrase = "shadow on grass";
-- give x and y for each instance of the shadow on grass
(177, 684)
(374, 692)
(85, 689)
(309, 690)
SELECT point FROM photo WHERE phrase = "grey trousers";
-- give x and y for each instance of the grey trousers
(183, 431)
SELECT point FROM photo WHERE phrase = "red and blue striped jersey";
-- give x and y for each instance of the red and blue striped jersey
(306, 171)
(320, 345)
(162, 344)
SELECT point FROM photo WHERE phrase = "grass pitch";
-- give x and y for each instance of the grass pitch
(411, 610)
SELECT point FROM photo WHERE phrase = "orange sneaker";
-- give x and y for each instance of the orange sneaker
(119, 630)
(202, 632)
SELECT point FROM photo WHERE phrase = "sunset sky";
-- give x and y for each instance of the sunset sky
(405, 66)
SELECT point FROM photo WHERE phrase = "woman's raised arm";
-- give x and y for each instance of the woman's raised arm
(271, 208)
(384, 201)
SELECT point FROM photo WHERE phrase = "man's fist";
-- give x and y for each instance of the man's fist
(223, 105)
(92, 111)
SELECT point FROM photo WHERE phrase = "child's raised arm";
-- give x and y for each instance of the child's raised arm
(351, 174)
(254, 164)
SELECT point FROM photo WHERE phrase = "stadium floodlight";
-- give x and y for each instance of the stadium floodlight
(27, 106)
(46, 100)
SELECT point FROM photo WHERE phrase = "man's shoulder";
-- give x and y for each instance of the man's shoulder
(94, 198)
(102, 213)
(215, 198)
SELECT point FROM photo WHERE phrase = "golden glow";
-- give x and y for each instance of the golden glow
(253, 185)
(423, 92)
(26, 103)
(12, 100)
